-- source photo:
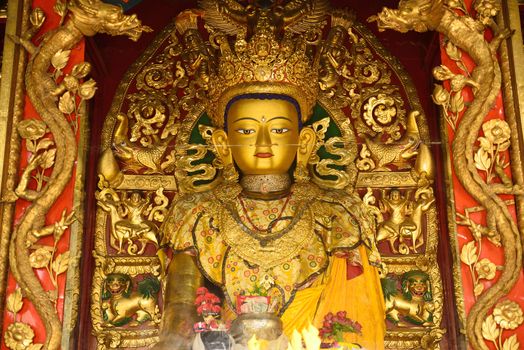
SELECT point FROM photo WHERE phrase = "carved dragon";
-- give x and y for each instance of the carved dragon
(86, 18)
(468, 34)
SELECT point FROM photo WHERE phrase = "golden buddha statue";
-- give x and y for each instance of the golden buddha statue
(267, 229)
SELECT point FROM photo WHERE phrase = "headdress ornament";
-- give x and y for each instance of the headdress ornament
(265, 58)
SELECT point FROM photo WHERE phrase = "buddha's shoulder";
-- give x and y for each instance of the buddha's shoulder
(329, 200)
(194, 202)
(185, 211)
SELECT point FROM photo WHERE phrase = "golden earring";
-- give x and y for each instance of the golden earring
(301, 173)
(230, 173)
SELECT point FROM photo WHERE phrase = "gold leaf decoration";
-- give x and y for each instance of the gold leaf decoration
(37, 17)
(31, 129)
(457, 103)
(485, 144)
(468, 255)
(497, 131)
(442, 73)
(48, 158)
(60, 8)
(66, 104)
(87, 90)
(478, 289)
(440, 95)
(44, 144)
(508, 314)
(60, 59)
(81, 70)
(14, 301)
(486, 269)
(35, 346)
(482, 160)
(511, 343)
(490, 331)
(453, 51)
(61, 263)
(18, 336)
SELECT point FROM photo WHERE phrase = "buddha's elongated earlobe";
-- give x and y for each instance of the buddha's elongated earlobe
(219, 139)
(306, 143)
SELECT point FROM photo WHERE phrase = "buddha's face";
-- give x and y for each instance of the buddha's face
(263, 135)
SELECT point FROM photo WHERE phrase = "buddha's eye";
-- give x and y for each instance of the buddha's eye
(279, 130)
(245, 131)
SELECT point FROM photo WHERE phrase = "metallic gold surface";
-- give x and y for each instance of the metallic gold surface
(183, 117)
(11, 107)
(512, 61)
(91, 17)
(467, 34)
(261, 135)
(452, 227)
(415, 303)
(128, 224)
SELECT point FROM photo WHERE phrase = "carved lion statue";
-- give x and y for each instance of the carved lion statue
(120, 304)
(414, 304)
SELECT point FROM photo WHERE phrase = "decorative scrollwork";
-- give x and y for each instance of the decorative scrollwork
(87, 19)
(467, 33)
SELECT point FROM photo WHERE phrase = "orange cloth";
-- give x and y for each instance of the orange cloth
(361, 298)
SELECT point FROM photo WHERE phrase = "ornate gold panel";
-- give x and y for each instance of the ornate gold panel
(157, 131)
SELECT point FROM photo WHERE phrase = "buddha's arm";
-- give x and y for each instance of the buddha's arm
(183, 279)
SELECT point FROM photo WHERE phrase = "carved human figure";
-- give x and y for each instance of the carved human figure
(127, 222)
(423, 200)
(399, 208)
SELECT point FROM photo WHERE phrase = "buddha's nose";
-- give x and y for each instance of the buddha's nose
(263, 138)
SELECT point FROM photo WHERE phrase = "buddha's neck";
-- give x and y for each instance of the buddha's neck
(269, 186)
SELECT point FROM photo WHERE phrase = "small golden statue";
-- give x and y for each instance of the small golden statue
(268, 228)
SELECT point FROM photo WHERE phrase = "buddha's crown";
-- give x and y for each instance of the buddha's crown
(256, 63)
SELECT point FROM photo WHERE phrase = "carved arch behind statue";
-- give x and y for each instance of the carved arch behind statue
(125, 173)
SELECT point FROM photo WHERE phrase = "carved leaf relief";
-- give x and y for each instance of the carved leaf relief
(14, 301)
(468, 255)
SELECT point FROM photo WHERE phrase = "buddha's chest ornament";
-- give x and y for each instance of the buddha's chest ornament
(266, 247)
(255, 248)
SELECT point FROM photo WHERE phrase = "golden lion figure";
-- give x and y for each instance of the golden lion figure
(414, 305)
(120, 304)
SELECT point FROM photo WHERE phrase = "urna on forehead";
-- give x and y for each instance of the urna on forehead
(263, 97)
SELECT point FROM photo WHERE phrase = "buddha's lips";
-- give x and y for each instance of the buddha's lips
(264, 155)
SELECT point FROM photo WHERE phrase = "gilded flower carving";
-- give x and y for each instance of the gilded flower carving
(488, 157)
(19, 336)
(440, 95)
(508, 314)
(40, 258)
(497, 131)
(31, 129)
(486, 269)
(486, 9)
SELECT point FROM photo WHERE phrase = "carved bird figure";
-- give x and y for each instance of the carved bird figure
(137, 157)
(396, 153)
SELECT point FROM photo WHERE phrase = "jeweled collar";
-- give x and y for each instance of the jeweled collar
(266, 184)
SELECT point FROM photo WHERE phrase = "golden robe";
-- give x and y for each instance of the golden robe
(310, 255)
